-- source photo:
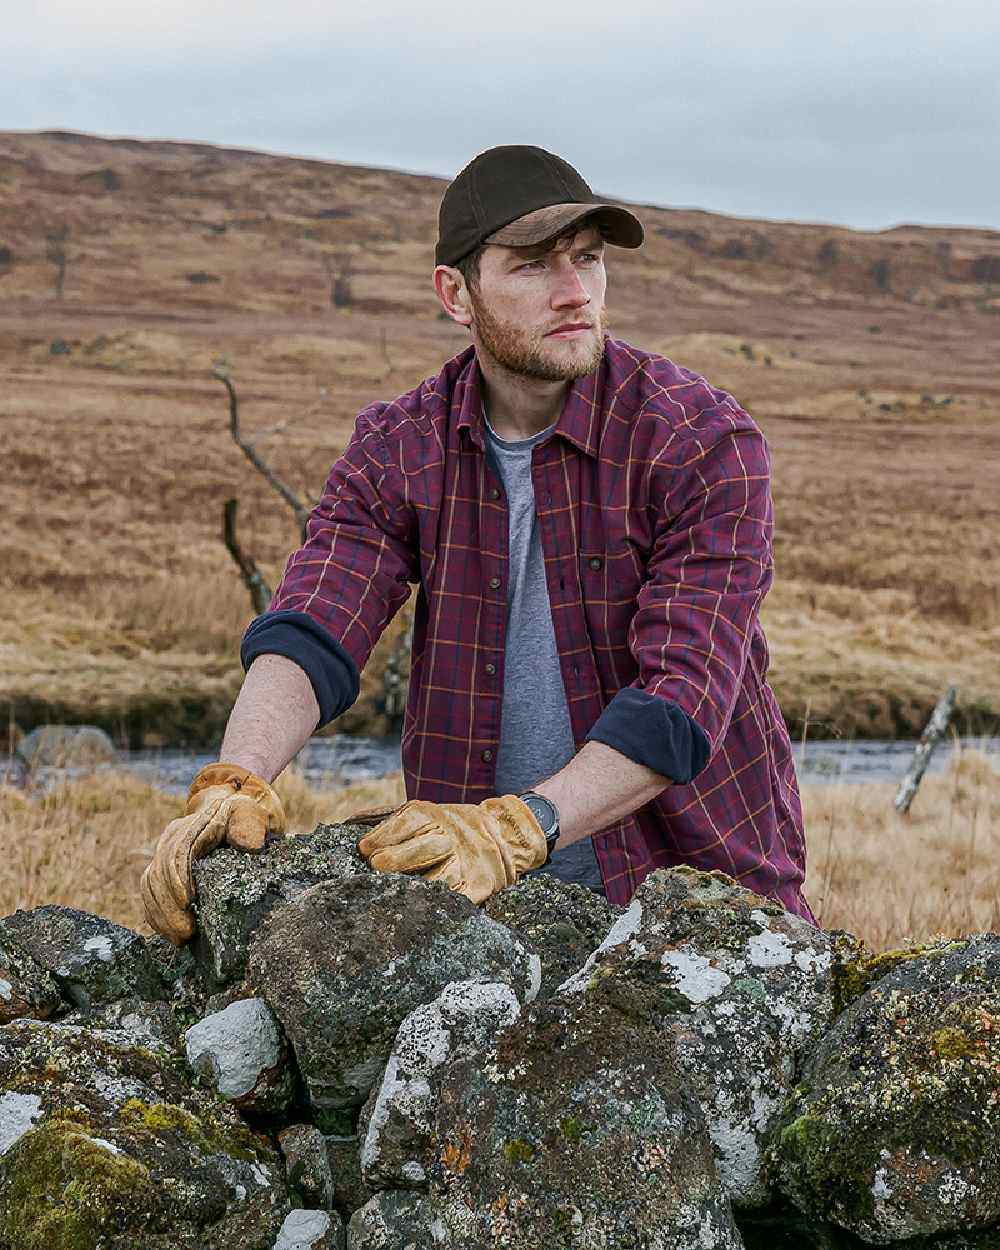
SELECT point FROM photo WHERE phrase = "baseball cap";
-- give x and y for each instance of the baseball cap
(517, 195)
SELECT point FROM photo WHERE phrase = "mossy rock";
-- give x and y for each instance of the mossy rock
(894, 1128)
(107, 1138)
(561, 922)
(237, 892)
(745, 986)
(576, 1128)
(344, 963)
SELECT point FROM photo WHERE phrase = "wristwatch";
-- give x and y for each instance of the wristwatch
(547, 815)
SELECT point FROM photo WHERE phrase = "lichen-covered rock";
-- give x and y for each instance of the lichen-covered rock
(237, 891)
(397, 1221)
(562, 923)
(894, 1129)
(92, 960)
(241, 1053)
(744, 987)
(104, 1139)
(463, 1019)
(576, 1128)
(344, 963)
(311, 1230)
(132, 1022)
(307, 1165)
(26, 988)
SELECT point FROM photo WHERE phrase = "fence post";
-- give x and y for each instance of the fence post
(932, 735)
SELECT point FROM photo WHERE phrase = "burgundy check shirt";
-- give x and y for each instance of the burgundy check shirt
(654, 510)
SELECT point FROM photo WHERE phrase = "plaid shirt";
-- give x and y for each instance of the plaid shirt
(654, 510)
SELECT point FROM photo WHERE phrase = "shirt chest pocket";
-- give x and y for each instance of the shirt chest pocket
(610, 582)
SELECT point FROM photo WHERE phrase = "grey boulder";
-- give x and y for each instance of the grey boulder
(745, 988)
(59, 746)
(346, 961)
(241, 1053)
(397, 1221)
(311, 1230)
(575, 1128)
(894, 1129)
(462, 1020)
(26, 988)
(307, 1165)
(560, 922)
(238, 890)
(103, 1140)
(92, 960)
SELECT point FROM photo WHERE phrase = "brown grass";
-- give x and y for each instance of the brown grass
(86, 843)
(886, 878)
(882, 409)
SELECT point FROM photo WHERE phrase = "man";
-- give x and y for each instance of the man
(589, 528)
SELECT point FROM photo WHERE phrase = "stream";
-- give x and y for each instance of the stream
(327, 763)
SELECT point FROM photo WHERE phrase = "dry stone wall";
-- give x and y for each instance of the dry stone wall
(345, 1060)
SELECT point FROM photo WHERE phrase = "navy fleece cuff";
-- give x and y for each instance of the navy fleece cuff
(295, 635)
(654, 732)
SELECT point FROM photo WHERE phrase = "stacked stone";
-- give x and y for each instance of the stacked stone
(354, 1061)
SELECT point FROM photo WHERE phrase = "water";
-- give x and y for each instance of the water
(878, 760)
(331, 762)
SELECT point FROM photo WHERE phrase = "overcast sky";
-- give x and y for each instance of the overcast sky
(861, 114)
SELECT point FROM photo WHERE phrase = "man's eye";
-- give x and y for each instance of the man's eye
(531, 264)
(591, 258)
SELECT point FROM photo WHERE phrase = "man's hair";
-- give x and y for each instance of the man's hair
(468, 266)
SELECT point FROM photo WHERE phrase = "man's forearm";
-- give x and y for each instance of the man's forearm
(273, 716)
(597, 787)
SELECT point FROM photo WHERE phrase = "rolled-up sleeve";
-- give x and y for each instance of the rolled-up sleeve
(343, 586)
(710, 567)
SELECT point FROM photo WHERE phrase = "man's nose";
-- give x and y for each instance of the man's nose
(569, 291)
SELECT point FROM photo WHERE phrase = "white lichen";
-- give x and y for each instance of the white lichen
(694, 976)
(18, 1112)
(620, 932)
(101, 945)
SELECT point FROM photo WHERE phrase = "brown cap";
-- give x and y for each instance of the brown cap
(518, 196)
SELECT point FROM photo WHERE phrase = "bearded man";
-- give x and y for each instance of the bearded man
(588, 526)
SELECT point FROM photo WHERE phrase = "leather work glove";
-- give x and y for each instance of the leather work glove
(226, 803)
(476, 848)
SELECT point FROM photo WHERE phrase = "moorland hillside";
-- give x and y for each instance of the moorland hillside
(128, 270)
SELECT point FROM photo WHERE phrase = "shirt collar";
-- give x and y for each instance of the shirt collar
(579, 421)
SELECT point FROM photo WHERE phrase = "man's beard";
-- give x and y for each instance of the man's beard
(511, 347)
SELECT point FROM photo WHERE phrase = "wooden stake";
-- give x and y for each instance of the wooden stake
(932, 735)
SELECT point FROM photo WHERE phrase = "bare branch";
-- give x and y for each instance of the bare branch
(260, 593)
(258, 462)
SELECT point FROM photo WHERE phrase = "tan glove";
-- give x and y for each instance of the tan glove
(476, 848)
(226, 803)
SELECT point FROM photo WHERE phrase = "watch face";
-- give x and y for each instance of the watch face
(543, 811)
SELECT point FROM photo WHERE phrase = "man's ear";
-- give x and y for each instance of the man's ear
(453, 294)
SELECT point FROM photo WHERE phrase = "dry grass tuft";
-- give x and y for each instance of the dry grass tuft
(886, 878)
(86, 843)
(891, 879)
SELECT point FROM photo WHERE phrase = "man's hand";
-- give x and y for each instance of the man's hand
(476, 848)
(226, 803)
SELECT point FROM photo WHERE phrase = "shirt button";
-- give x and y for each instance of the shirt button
(495, 493)
(491, 669)
(596, 562)
(494, 583)
(487, 756)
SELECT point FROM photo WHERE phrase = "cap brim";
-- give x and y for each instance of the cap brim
(617, 225)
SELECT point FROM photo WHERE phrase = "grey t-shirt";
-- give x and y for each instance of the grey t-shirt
(536, 736)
